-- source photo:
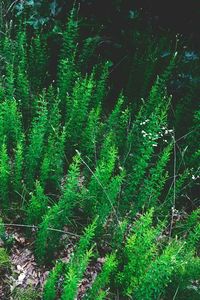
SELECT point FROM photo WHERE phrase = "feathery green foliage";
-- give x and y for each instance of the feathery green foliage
(22, 92)
(4, 177)
(77, 109)
(153, 184)
(53, 162)
(140, 250)
(100, 180)
(50, 288)
(12, 127)
(2, 230)
(67, 71)
(78, 263)
(159, 273)
(37, 62)
(67, 160)
(18, 167)
(102, 279)
(36, 142)
(90, 136)
(37, 206)
(4, 260)
(74, 276)
(142, 140)
(58, 215)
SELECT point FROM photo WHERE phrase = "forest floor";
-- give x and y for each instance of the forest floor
(24, 272)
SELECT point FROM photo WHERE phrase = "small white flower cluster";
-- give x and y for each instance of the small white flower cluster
(150, 137)
(167, 131)
(144, 133)
(143, 123)
(153, 138)
(164, 132)
(195, 177)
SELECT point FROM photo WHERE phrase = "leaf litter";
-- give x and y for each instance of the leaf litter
(25, 273)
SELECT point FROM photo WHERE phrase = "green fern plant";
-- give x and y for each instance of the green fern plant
(2, 230)
(139, 251)
(73, 277)
(160, 273)
(12, 125)
(73, 270)
(50, 288)
(194, 237)
(37, 62)
(53, 162)
(37, 206)
(8, 49)
(185, 278)
(4, 177)
(153, 185)
(58, 215)
(67, 71)
(78, 263)
(100, 92)
(100, 178)
(107, 205)
(22, 92)
(36, 142)
(18, 167)
(102, 279)
(90, 136)
(77, 109)
(9, 81)
(141, 142)
(70, 35)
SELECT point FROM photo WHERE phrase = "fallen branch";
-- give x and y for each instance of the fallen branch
(36, 227)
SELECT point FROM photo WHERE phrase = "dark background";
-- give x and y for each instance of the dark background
(178, 16)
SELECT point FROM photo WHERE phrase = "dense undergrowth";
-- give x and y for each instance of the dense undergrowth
(123, 181)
